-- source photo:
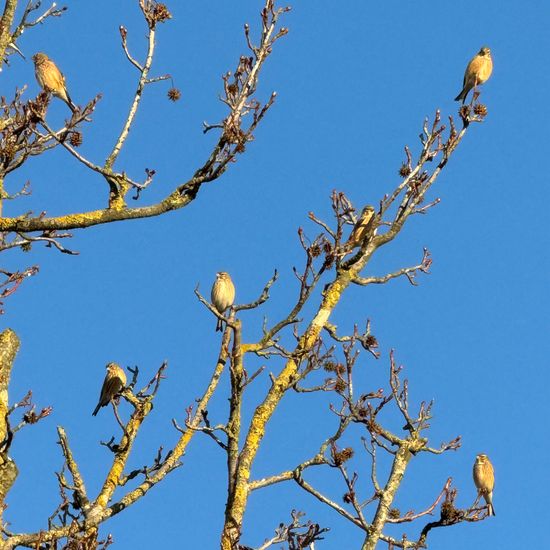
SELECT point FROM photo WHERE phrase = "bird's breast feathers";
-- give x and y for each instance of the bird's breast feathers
(50, 77)
(480, 68)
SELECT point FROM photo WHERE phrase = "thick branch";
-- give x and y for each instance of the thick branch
(399, 465)
(9, 345)
(183, 195)
(5, 27)
(73, 468)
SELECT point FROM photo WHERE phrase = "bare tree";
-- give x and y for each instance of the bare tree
(313, 355)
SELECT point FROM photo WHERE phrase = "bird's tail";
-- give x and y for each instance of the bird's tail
(96, 409)
(69, 102)
(489, 501)
(219, 325)
(462, 95)
(467, 86)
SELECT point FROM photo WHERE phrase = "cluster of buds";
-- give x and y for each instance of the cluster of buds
(161, 13)
(322, 246)
(17, 124)
(155, 12)
(405, 170)
(340, 457)
(415, 184)
(449, 513)
(75, 139)
(394, 513)
(32, 417)
(480, 110)
(476, 112)
(233, 132)
(331, 366)
(36, 109)
(174, 94)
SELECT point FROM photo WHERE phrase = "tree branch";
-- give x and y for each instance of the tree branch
(9, 346)
(409, 272)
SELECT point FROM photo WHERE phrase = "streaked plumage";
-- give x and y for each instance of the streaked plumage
(362, 227)
(484, 479)
(477, 72)
(51, 79)
(222, 295)
(114, 382)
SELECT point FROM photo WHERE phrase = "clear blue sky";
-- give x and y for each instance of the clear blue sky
(354, 82)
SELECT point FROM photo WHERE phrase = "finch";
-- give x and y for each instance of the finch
(484, 478)
(477, 72)
(114, 382)
(51, 79)
(362, 227)
(222, 295)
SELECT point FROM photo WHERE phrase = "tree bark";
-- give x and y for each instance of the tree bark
(400, 462)
(9, 345)
(5, 27)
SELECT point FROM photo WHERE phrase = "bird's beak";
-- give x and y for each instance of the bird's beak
(15, 48)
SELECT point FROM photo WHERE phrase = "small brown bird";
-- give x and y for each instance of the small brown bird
(114, 382)
(484, 478)
(477, 72)
(222, 295)
(362, 227)
(51, 79)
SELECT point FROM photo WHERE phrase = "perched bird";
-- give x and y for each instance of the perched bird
(484, 478)
(222, 295)
(115, 380)
(51, 79)
(362, 227)
(477, 72)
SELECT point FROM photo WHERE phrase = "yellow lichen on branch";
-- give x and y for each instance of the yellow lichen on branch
(119, 463)
(94, 217)
(264, 411)
(6, 22)
(9, 345)
(185, 438)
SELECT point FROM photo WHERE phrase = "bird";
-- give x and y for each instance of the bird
(222, 295)
(114, 382)
(51, 79)
(477, 72)
(484, 479)
(362, 227)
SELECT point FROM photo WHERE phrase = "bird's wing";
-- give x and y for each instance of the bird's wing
(490, 474)
(106, 391)
(51, 77)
